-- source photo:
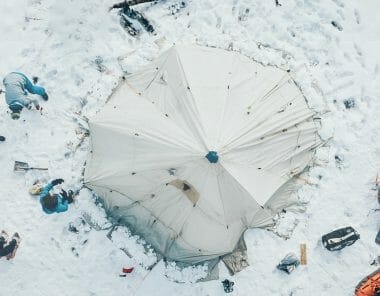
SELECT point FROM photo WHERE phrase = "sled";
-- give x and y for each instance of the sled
(370, 285)
(23, 166)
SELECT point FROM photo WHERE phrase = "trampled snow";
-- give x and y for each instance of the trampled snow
(79, 51)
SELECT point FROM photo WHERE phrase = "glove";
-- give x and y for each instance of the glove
(57, 181)
(45, 96)
(38, 107)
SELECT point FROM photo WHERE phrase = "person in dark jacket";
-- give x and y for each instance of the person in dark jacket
(7, 248)
(17, 89)
(55, 203)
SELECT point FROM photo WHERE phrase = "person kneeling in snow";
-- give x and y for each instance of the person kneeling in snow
(8, 248)
(55, 203)
(17, 86)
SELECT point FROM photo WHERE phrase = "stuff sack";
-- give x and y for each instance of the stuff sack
(340, 238)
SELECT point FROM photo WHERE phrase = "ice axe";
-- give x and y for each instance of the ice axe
(23, 166)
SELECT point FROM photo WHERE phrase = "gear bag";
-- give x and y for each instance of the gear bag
(340, 238)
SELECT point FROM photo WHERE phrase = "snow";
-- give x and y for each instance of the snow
(79, 52)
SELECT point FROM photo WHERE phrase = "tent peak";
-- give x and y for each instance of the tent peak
(212, 156)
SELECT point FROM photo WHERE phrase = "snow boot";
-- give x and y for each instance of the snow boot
(17, 238)
(3, 237)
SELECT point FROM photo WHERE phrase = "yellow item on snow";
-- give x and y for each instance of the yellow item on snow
(36, 189)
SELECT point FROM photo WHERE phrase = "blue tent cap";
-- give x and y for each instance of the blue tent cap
(212, 156)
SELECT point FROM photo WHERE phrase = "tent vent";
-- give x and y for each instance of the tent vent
(212, 156)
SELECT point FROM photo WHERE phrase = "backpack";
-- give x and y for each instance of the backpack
(340, 238)
(289, 263)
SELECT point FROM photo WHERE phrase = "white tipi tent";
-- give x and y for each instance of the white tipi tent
(197, 147)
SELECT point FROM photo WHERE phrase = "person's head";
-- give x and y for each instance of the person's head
(50, 202)
(15, 115)
(16, 110)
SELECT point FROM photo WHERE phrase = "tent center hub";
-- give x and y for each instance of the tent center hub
(212, 156)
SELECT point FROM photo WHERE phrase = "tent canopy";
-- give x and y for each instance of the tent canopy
(197, 147)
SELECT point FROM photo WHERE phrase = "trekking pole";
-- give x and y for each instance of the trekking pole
(372, 211)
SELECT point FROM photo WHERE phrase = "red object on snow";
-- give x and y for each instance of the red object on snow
(127, 269)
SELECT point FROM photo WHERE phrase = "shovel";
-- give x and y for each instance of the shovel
(23, 166)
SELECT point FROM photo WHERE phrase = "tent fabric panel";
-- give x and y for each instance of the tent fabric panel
(130, 113)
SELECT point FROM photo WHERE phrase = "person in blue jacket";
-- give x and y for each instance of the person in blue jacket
(55, 203)
(17, 89)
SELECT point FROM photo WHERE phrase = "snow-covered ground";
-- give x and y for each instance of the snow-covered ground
(78, 50)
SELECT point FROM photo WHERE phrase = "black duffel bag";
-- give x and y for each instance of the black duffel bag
(340, 238)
